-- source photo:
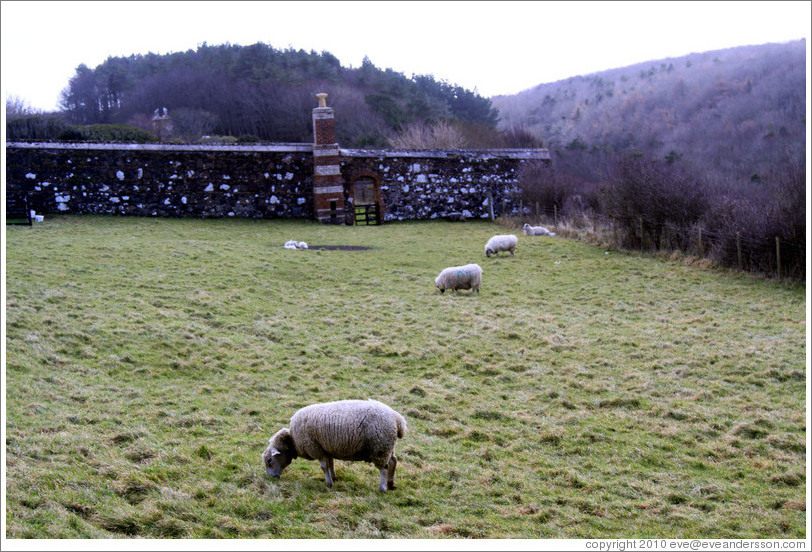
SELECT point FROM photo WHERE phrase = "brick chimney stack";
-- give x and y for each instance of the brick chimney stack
(328, 184)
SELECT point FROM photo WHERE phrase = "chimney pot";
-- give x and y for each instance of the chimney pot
(322, 99)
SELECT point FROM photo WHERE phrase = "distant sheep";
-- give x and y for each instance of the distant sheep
(343, 430)
(536, 231)
(505, 242)
(293, 244)
(460, 277)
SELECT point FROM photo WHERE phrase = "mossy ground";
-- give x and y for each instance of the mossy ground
(583, 393)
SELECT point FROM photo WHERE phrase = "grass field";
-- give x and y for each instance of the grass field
(583, 393)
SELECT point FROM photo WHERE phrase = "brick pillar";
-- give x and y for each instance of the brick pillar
(328, 184)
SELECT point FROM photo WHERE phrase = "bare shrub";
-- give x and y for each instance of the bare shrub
(421, 135)
(551, 190)
(642, 192)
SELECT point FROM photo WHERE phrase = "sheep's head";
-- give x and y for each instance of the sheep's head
(280, 453)
(488, 252)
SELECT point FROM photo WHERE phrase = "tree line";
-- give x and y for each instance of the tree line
(265, 93)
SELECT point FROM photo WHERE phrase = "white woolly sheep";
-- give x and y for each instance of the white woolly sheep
(293, 244)
(536, 231)
(504, 242)
(343, 430)
(460, 277)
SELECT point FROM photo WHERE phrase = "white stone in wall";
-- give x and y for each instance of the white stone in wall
(406, 189)
(421, 178)
(226, 177)
(167, 201)
(125, 198)
(209, 188)
(173, 177)
(30, 175)
(183, 200)
(140, 173)
(62, 198)
(190, 173)
(114, 200)
(104, 188)
(273, 200)
(289, 176)
(466, 213)
(415, 168)
(266, 175)
(301, 200)
(224, 186)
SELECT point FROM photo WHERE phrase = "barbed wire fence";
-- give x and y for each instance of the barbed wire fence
(768, 255)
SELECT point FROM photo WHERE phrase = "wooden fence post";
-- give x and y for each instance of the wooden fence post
(555, 214)
(490, 203)
(537, 209)
(739, 248)
(701, 248)
(778, 255)
(640, 223)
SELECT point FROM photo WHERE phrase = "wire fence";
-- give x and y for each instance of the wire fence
(769, 255)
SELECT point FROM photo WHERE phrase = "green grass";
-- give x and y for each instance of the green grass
(582, 393)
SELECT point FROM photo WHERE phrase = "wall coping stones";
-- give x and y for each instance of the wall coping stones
(291, 147)
(480, 154)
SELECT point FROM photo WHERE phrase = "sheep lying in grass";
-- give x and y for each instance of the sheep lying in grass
(505, 242)
(460, 277)
(536, 231)
(343, 430)
(293, 244)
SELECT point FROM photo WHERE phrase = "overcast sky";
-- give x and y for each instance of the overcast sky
(493, 47)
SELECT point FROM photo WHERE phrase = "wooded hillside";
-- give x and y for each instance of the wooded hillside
(266, 93)
(734, 114)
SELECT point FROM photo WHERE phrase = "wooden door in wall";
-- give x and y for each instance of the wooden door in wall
(366, 201)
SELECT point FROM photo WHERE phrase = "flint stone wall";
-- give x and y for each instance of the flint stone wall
(271, 181)
(428, 184)
(163, 180)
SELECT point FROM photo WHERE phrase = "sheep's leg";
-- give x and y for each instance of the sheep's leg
(331, 466)
(325, 465)
(382, 488)
(390, 474)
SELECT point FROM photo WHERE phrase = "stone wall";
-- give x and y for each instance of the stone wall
(428, 184)
(163, 180)
(272, 181)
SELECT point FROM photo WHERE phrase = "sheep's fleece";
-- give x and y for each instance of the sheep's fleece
(503, 242)
(536, 231)
(460, 277)
(343, 430)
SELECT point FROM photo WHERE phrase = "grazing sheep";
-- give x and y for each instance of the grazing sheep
(460, 277)
(343, 430)
(536, 231)
(505, 242)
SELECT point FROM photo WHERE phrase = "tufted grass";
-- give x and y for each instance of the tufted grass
(581, 394)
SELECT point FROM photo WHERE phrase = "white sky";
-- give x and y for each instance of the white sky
(494, 47)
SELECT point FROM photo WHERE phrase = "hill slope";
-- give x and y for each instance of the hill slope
(264, 92)
(737, 112)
